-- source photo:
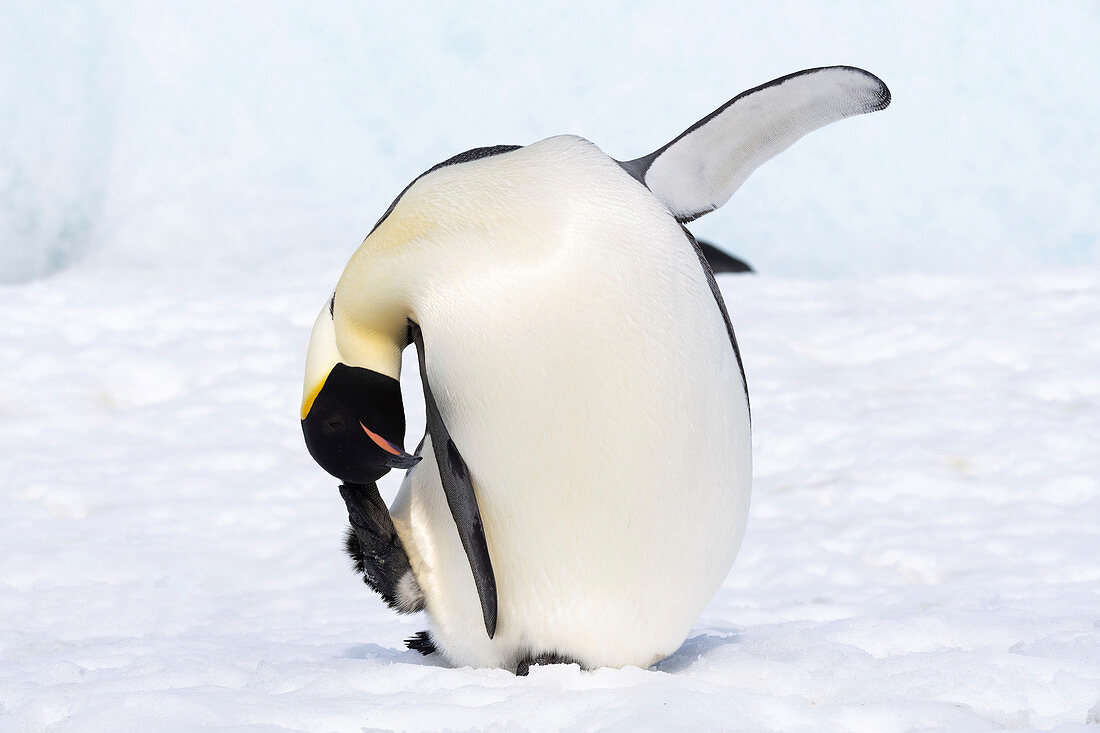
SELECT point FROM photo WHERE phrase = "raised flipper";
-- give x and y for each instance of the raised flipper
(376, 550)
(459, 491)
(721, 261)
(699, 170)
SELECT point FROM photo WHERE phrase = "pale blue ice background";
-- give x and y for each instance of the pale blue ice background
(210, 134)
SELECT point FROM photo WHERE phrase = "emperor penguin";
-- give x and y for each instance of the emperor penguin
(583, 483)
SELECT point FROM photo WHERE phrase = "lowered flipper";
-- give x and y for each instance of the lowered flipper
(699, 170)
(459, 491)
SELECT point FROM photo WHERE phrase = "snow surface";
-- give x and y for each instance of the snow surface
(923, 549)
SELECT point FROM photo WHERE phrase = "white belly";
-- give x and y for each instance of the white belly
(598, 403)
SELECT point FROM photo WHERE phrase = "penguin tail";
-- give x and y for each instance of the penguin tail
(721, 261)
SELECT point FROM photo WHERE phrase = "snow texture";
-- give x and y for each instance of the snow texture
(923, 549)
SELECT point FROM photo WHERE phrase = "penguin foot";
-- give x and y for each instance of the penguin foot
(374, 547)
(421, 642)
(524, 667)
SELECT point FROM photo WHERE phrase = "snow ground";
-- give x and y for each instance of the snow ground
(922, 551)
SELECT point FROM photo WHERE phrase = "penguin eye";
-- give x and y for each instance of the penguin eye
(335, 424)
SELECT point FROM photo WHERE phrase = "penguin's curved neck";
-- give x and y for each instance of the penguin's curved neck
(371, 349)
(370, 319)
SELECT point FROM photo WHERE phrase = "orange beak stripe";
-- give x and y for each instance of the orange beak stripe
(380, 441)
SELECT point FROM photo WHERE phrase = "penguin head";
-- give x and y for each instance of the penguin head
(356, 424)
(353, 419)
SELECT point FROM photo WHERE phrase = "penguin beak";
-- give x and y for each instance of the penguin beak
(398, 457)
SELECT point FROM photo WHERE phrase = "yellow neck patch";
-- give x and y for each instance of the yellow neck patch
(311, 395)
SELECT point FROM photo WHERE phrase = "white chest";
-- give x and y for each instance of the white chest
(595, 396)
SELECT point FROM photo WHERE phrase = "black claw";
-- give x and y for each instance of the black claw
(525, 664)
(421, 642)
